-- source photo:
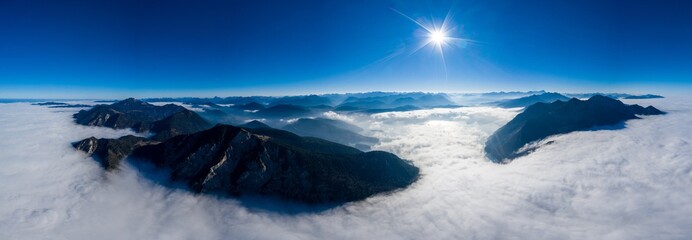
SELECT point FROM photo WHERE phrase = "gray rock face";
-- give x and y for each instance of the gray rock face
(110, 152)
(234, 160)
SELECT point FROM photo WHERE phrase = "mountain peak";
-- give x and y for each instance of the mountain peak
(130, 101)
(254, 124)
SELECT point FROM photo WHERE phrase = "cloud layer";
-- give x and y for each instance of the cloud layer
(622, 184)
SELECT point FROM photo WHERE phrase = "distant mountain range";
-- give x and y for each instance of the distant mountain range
(350, 101)
(61, 105)
(275, 110)
(283, 111)
(613, 95)
(502, 94)
(548, 97)
(541, 120)
(332, 130)
(645, 96)
(394, 101)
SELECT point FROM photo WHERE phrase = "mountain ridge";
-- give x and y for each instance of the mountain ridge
(541, 120)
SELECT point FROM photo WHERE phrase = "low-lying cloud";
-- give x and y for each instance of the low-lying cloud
(613, 184)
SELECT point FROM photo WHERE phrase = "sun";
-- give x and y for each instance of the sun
(438, 37)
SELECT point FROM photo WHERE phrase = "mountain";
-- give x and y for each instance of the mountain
(109, 152)
(513, 94)
(322, 107)
(614, 95)
(404, 101)
(304, 101)
(331, 130)
(432, 100)
(254, 124)
(268, 161)
(361, 104)
(166, 121)
(645, 96)
(61, 105)
(319, 103)
(346, 108)
(530, 100)
(128, 113)
(183, 122)
(283, 111)
(394, 100)
(50, 104)
(541, 120)
(215, 113)
(396, 109)
(251, 106)
(70, 106)
(216, 100)
(203, 105)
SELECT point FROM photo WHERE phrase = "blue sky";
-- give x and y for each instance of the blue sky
(203, 48)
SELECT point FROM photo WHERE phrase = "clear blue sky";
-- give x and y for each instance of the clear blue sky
(120, 48)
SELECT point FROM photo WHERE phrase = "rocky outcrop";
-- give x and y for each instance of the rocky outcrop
(110, 152)
(541, 120)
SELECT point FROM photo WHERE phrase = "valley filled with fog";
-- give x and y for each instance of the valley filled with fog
(634, 182)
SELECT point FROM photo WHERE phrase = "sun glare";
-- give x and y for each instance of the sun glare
(438, 37)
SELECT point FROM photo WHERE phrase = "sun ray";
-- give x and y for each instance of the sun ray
(412, 20)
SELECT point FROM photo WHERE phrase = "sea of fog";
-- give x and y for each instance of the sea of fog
(632, 183)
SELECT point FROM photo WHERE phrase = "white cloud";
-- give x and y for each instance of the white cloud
(634, 183)
(340, 117)
(185, 105)
(289, 121)
(256, 119)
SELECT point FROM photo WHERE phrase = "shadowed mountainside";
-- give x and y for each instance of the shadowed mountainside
(232, 160)
(541, 120)
(332, 130)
